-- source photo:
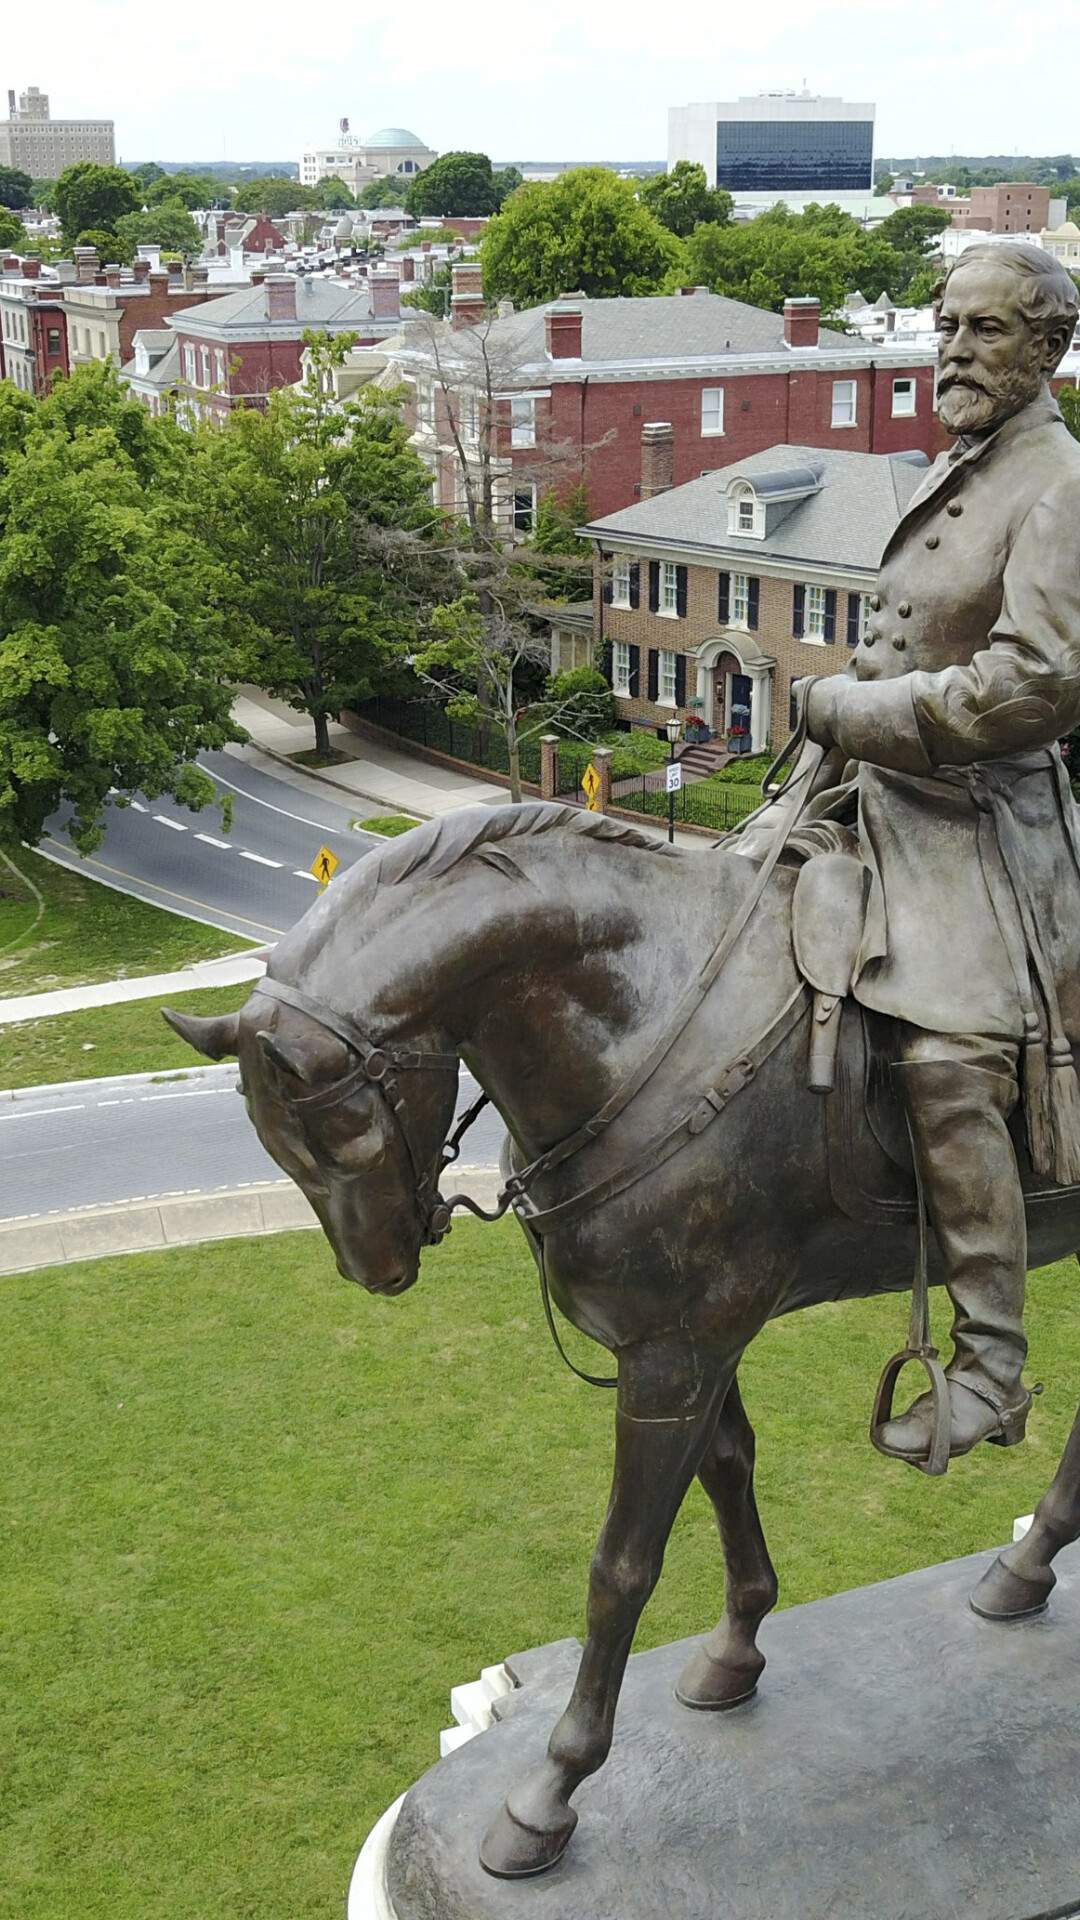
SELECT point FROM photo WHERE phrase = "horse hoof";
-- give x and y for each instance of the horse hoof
(1002, 1594)
(513, 1850)
(710, 1686)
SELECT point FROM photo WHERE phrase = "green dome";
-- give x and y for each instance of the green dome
(393, 137)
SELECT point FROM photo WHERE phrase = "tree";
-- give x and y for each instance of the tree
(332, 194)
(172, 188)
(433, 294)
(380, 193)
(15, 187)
(43, 194)
(507, 180)
(91, 196)
(454, 183)
(683, 199)
(115, 651)
(586, 230)
(821, 252)
(1069, 402)
(168, 225)
(912, 229)
(922, 286)
(112, 248)
(147, 173)
(13, 235)
(273, 196)
(305, 503)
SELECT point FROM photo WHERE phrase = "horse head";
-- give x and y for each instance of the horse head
(338, 1125)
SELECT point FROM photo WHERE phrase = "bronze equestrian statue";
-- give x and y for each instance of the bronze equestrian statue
(647, 1038)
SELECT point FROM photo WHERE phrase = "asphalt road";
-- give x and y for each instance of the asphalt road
(254, 881)
(108, 1141)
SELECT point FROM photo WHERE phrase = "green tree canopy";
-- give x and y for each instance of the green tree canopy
(274, 196)
(821, 252)
(187, 189)
(43, 194)
(586, 230)
(380, 193)
(112, 248)
(304, 503)
(911, 229)
(13, 235)
(168, 225)
(507, 181)
(333, 194)
(454, 183)
(91, 196)
(682, 199)
(147, 173)
(115, 652)
(15, 187)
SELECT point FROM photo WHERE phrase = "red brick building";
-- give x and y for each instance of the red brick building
(33, 329)
(558, 394)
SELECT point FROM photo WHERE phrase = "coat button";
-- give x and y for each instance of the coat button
(904, 609)
(933, 540)
(868, 639)
(899, 642)
(955, 509)
(874, 603)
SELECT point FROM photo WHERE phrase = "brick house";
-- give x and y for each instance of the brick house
(235, 350)
(558, 394)
(711, 598)
(33, 332)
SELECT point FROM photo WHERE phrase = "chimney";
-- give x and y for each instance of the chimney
(408, 268)
(10, 263)
(562, 326)
(802, 319)
(176, 271)
(657, 458)
(31, 266)
(258, 275)
(141, 270)
(159, 281)
(112, 274)
(86, 264)
(385, 292)
(11, 103)
(280, 292)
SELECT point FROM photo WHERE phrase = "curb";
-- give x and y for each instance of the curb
(89, 1085)
(183, 1220)
(327, 780)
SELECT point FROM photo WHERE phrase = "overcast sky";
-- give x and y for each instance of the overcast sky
(538, 79)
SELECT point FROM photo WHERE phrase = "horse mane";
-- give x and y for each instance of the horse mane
(437, 845)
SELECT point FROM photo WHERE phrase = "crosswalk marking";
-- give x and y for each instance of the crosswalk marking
(164, 821)
(259, 858)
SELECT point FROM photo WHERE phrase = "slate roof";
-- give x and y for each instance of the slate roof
(629, 330)
(319, 303)
(844, 523)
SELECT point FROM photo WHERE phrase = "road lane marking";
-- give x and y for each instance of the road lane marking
(209, 841)
(44, 1113)
(301, 873)
(167, 893)
(343, 833)
(260, 859)
(164, 821)
(137, 806)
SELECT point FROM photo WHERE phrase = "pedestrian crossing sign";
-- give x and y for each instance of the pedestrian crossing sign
(324, 866)
(590, 781)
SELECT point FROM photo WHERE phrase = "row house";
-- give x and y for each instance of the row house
(234, 351)
(33, 330)
(556, 395)
(712, 598)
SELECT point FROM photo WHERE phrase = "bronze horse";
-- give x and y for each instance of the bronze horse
(546, 948)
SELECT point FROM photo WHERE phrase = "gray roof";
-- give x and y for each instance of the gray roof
(675, 328)
(857, 500)
(319, 303)
(165, 370)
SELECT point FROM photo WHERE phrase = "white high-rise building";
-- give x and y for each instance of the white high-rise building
(42, 147)
(777, 143)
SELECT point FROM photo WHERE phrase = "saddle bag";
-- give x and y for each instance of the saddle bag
(827, 917)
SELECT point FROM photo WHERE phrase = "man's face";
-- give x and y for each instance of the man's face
(991, 358)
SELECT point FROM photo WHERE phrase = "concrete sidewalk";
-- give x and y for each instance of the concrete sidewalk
(231, 971)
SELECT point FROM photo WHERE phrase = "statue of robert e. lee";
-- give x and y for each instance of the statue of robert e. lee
(967, 676)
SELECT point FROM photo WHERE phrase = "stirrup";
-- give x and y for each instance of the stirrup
(937, 1460)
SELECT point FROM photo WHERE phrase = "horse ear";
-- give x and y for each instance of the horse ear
(215, 1037)
(287, 1059)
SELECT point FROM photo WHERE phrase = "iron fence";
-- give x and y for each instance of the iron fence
(698, 804)
(429, 725)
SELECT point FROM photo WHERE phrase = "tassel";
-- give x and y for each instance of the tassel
(1038, 1119)
(1064, 1116)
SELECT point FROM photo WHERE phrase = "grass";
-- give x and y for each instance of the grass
(391, 824)
(257, 1524)
(129, 1038)
(59, 929)
(312, 757)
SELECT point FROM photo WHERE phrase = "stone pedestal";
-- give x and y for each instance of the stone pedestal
(904, 1760)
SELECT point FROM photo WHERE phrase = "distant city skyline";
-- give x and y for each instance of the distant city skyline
(545, 80)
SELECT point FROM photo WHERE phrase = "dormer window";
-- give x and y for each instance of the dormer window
(746, 513)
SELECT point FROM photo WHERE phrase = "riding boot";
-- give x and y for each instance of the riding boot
(971, 1185)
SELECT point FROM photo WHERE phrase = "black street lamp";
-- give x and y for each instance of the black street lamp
(674, 729)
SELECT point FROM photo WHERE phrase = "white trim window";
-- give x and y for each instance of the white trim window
(669, 593)
(523, 421)
(524, 510)
(904, 398)
(746, 513)
(844, 402)
(665, 677)
(620, 582)
(425, 407)
(219, 366)
(739, 600)
(620, 669)
(204, 366)
(814, 626)
(712, 412)
(189, 364)
(469, 418)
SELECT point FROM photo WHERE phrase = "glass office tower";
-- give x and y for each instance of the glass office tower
(795, 156)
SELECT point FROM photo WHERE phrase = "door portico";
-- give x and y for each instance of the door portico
(733, 673)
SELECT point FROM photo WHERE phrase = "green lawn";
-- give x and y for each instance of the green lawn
(257, 1525)
(61, 929)
(129, 1038)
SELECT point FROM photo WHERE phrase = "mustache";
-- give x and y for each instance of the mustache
(969, 380)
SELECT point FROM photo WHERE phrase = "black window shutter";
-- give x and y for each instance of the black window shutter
(830, 616)
(753, 603)
(608, 589)
(653, 682)
(798, 612)
(605, 661)
(853, 611)
(654, 587)
(609, 592)
(634, 681)
(680, 592)
(635, 586)
(723, 609)
(680, 679)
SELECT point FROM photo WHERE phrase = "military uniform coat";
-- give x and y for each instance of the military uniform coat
(968, 673)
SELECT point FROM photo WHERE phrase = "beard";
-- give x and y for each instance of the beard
(973, 402)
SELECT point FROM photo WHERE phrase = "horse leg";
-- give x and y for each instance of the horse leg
(727, 1665)
(664, 1421)
(1021, 1579)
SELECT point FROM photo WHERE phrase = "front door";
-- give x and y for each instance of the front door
(739, 724)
